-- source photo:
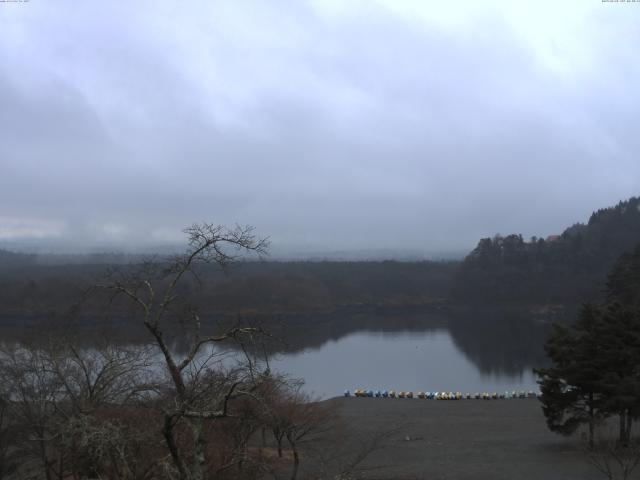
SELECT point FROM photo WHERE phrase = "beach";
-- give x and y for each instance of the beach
(463, 439)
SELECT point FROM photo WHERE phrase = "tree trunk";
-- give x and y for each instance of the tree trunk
(591, 421)
(279, 440)
(624, 434)
(199, 460)
(45, 461)
(296, 462)
(167, 431)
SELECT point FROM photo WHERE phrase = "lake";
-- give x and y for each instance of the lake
(427, 361)
(398, 349)
(453, 355)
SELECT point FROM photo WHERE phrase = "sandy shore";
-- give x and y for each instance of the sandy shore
(465, 439)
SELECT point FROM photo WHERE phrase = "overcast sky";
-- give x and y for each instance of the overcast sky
(328, 125)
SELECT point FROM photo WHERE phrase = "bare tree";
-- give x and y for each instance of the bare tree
(293, 416)
(306, 420)
(196, 392)
(99, 432)
(120, 443)
(32, 393)
(106, 374)
(54, 387)
(190, 411)
(8, 460)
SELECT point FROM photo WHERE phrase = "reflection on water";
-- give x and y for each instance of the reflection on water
(428, 361)
(400, 349)
(476, 349)
(507, 344)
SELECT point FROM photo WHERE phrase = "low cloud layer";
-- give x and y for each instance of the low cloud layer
(328, 125)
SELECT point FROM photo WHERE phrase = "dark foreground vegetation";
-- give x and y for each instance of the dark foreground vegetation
(114, 413)
(596, 361)
(118, 412)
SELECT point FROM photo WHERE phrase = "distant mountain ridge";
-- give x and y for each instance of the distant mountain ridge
(569, 268)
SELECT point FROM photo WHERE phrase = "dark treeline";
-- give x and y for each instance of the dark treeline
(10, 258)
(566, 269)
(27, 287)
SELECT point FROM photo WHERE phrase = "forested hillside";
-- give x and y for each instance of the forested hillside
(565, 269)
(269, 287)
(569, 268)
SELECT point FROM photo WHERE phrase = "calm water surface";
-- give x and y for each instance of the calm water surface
(483, 351)
(428, 361)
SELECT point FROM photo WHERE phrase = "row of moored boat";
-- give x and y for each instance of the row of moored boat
(358, 392)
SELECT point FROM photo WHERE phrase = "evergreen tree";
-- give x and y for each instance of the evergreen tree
(623, 284)
(570, 268)
(621, 341)
(619, 335)
(571, 389)
(596, 362)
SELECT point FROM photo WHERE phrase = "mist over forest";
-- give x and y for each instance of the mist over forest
(559, 271)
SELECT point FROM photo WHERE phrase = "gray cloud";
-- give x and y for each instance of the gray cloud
(370, 125)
